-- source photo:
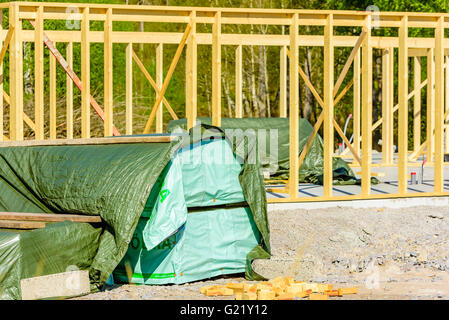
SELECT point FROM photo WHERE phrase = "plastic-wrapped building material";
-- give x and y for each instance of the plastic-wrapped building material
(121, 183)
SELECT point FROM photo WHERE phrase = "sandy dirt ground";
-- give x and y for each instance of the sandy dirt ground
(386, 253)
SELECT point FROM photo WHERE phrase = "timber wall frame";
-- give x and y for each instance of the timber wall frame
(436, 49)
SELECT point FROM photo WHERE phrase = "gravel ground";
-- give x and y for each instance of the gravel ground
(386, 253)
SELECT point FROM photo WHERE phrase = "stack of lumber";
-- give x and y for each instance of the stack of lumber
(29, 221)
(280, 288)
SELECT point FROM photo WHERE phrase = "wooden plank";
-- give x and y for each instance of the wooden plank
(53, 96)
(167, 79)
(87, 141)
(39, 75)
(367, 106)
(294, 109)
(356, 103)
(446, 138)
(85, 75)
(239, 82)
(403, 108)
(16, 75)
(129, 89)
(283, 83)
(25, 225)
(430, 106)
(216, 71)
(390, 98)
(348, 63)
(155, 86)
(69, 92)
(159, 82)
(328, 136)
(48, 217)
(417, 103)
(108, 75)
(445, 118)
(439, 106)
(387, 112)
(191, 74)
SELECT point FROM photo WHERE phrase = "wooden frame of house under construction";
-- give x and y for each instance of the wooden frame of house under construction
(410, 51)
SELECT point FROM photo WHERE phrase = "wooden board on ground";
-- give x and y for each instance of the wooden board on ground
(90, 141)
(66, 284)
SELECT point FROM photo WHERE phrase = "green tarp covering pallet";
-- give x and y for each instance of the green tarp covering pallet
(120, 183)
(274, 157)
(199, 225)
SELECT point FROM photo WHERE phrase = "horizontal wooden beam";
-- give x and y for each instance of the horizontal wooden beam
(27, 10)
(89, 141)
(48, 217)
(417, 45)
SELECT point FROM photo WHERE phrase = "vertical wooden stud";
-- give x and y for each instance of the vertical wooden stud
(367, 107)
(191, 74)
(129, 89)
(430, 108)
(238, 82)
(356, 103)
(69, 92)
(16, 75)
(1, 84)
(216, 70)
(446, 139)
(328, 109)
(403, 107)
(390, 98)
(417, 103)
(283, 83)
(387, 106)
(439, 105)
(294, 109)
(85, 75)
(159, 82)
(39, 75)
(53, 95)
(108, 71)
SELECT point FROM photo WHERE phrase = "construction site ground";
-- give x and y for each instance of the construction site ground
(387, 253)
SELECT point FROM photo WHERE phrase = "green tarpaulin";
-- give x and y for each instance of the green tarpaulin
(199, 226)
(274, 155)
(113, 181)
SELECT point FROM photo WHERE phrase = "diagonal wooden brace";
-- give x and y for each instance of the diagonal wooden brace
(76, 80)
(6, 44)
(349, 62)
(167, 79)
(153, 84)
(318, 123)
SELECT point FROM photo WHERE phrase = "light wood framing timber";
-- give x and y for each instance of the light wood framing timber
(426, 59)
